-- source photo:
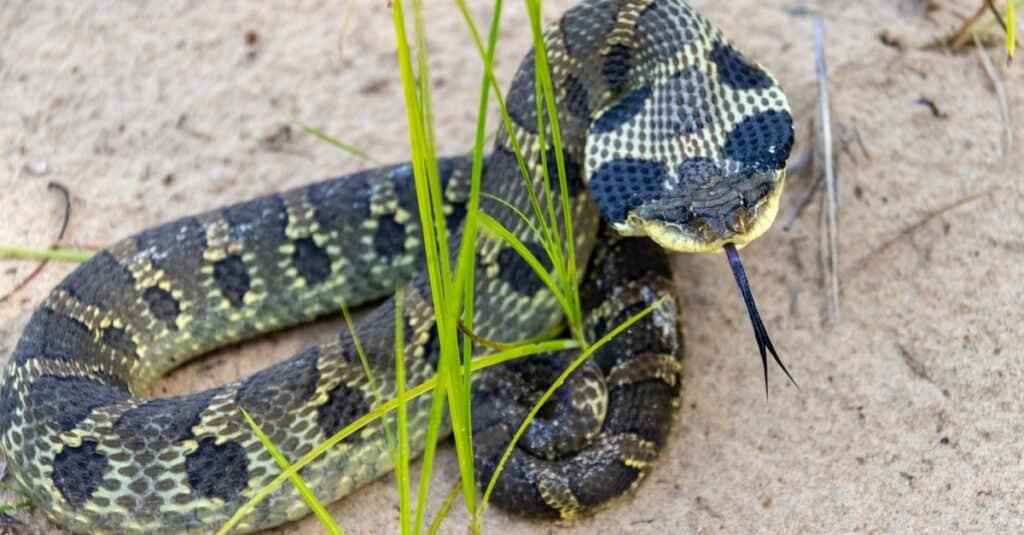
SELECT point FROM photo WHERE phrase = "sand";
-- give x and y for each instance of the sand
(909, 416)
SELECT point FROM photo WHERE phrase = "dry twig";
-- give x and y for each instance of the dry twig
(823, 137)
(1004, 107)
(66, 196)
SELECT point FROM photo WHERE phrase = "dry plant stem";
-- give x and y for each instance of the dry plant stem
(63, 190)
(1000, 88)
(801, 203)
(830, 253)
(960, 37)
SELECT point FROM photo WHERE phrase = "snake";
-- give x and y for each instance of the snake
(672, 140)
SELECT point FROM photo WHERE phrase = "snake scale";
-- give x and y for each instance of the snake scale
(669, 132)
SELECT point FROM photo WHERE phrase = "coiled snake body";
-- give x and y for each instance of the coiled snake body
(668, 131)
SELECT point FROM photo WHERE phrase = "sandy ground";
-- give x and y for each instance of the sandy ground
(909, 417)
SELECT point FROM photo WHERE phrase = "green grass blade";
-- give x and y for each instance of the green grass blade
(58, 255)
(402, 461)
(1011, 29)
(493, 227)
(446, 506)
(307, 495)
(432, 219)
(584, 355)
(351, 149)
(543, 79)
(524, 171)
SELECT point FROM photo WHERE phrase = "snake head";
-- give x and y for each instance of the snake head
(691, 150)
(703, 217)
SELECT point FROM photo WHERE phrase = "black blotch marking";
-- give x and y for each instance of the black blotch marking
(761, 142)
(615, 70)
(432, 347)
(641, 337)
(119, 341)
(403, 178)
(621, 113)
(232, 279)
(217, 470)
(162, 305)
(516, 490)
(517, 273)
(185, 234)
(70, 400)
(341, 202)
(577, 97)
(573, 172)
(620, 185)
(101, 281)
(521, 103)
(163, 420)
(311, 261)
(643, 408)
(458, 213)
(627, 259)
(274, 389)
(258, 219)
(737, 71)
(78, 472)
(389, 239)
(344, 405)
(55, 336)
(602, 481)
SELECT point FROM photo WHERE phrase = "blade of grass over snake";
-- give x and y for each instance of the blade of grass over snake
(378, 412)
(584, 355)
(347, 316)
(491, 225)
(543, 80)
(402, 460)
(307, 495)
(506, 118)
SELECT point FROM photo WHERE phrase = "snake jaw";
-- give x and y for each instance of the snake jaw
(764, 342)
(677, 227)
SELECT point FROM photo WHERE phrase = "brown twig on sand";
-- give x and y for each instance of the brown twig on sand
(957, 40)
(823, 137)
(801, 202)
(66, 218)
(1004, 107)
(859, 265)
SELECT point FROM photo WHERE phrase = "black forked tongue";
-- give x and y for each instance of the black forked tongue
(764, 344)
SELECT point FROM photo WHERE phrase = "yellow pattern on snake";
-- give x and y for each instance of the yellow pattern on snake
(669, 132)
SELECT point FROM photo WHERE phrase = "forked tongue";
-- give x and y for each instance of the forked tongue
(764, 343)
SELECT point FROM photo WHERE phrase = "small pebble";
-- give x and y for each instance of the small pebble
(37, 167)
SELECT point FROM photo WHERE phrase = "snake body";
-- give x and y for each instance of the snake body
(667, 130)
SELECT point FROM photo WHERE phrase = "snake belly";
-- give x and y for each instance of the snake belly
(97, 458)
